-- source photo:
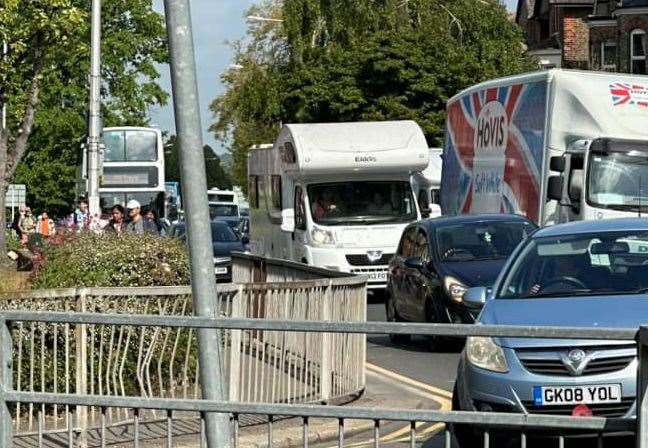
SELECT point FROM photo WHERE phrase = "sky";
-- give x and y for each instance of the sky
(215, 22)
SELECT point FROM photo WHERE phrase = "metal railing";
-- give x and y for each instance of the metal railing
(151, 361)
(171, 408)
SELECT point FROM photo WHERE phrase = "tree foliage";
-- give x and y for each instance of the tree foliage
(217, 175)
(348, 60)
(43, 82)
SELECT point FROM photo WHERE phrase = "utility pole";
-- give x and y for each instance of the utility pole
(94, 116)
(5, 50)
(194, 189)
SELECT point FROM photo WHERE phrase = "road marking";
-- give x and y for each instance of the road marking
(407, 380)
(441, 396)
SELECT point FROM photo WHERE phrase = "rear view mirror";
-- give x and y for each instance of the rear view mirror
(554, 188)
(435, 211)
(475, 298)
(557, 163)
(610, 248)
(288, 220)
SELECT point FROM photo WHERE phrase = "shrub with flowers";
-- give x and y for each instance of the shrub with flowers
(92, 260)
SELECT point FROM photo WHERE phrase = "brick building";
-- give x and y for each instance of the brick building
(618, 36)
(556, 31)
(587, 34)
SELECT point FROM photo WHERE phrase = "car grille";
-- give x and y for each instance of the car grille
(363, 260)
(609, 410)
(603, 360)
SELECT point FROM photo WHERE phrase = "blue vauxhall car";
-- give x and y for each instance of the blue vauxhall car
(585, 274)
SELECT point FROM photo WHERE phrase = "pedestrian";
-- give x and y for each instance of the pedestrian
(15, 225)
(151, 223)
(45, 227)
(27, 226)
(137, 224)
(117, 223)
(81, 215)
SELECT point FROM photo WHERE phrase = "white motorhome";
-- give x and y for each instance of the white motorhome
(555, 146)
(427, 185)
(336, 195)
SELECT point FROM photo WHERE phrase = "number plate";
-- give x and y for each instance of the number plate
(378, 276)
(220, 270)
(566, 395)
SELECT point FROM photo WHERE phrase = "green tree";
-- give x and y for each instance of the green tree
(348, 60)
(43, 83)
(217, 175)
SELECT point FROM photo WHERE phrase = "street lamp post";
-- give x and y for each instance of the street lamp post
(94, 120)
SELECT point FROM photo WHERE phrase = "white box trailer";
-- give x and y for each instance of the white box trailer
(336, 195)
(556, 146)
(427, 185)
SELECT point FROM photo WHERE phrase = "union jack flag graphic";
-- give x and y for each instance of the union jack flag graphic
(624, 93)
(479, 177)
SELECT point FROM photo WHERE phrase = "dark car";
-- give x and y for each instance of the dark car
(438, 259)
(224, 241)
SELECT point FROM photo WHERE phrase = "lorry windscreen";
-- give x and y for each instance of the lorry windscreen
(618, 180)
(361, 202)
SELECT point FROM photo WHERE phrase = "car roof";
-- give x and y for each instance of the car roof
(594, 226)
(472, 218)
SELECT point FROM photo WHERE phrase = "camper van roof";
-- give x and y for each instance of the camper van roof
(385, 146)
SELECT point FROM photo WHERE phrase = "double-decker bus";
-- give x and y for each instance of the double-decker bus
(133, 168)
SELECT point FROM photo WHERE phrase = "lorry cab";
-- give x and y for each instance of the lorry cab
(337, 195)
(427, 185)
(600, 178)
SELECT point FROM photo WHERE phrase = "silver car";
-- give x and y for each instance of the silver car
(583, 274)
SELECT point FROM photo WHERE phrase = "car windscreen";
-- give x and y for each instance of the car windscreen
(222, 233)
(361, 202)
(588, 264)
(223, 210)
(470, 241)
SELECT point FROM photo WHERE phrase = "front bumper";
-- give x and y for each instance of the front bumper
(223, 272)
(337, 259)
(482, 390)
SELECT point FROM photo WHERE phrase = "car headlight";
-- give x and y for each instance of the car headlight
(455, 288)
(484, 353)
(219, 260)
(322, 237)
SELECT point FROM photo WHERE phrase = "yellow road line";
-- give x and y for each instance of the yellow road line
(407, 380)
(441, 396)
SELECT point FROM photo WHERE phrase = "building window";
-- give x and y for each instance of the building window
(609, 56)
(638, 51)
(275, 187)
(253, 191)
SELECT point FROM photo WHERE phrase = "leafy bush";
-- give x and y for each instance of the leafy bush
(12, 241)
(93, 260)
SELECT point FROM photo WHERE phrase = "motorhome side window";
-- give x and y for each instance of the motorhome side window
(275, 186)
(435, 194)
(300, 209)
(361, 202)
(253, 191)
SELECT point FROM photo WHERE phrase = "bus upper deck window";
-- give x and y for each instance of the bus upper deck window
(141, 146)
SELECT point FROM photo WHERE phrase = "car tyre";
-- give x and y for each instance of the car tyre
(392, 316)
(435, 342)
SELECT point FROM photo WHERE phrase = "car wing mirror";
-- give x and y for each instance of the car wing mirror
(434, 211)
(475, 298)
(288, 220)
(414, 263)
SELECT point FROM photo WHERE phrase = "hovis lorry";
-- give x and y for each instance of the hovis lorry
(337, 195)
(555, 146)
(427, 185)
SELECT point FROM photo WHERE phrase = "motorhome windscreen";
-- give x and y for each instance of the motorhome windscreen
(361, 202)
(618, 180)
(223, 210)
